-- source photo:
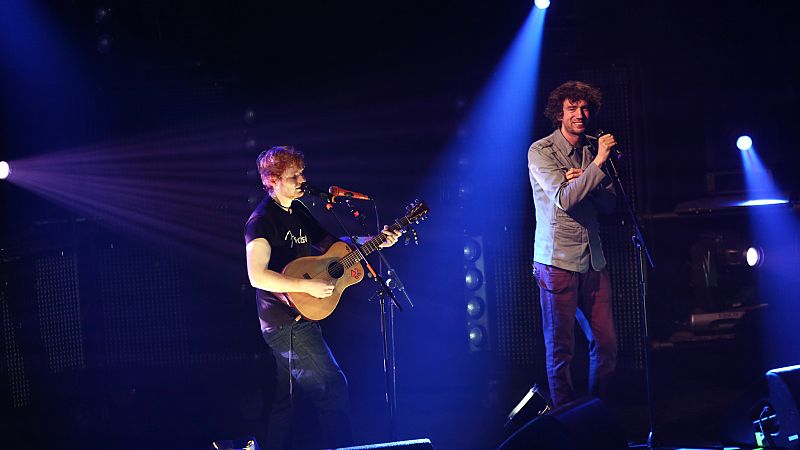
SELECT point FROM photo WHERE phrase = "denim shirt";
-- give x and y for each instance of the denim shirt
(567, 230)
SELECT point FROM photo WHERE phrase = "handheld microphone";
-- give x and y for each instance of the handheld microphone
(315, 192)
(615, 150)
(336, 192)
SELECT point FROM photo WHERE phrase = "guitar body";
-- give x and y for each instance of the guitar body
(324, 267)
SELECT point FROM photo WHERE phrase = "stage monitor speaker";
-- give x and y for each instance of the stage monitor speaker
(585, 424)
(414, 444)
(784, 393)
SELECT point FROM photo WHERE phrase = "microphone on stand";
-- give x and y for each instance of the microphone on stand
(337, 192)
(315, 192)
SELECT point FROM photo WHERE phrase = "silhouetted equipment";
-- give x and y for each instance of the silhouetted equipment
(539, 403)
(784, 393)
(241, 444)
(414, 444)
(585, 424)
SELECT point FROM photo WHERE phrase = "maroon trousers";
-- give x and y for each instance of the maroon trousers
(567, 296)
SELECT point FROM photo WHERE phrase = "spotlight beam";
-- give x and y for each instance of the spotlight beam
(775, 230)
(498, 127)
(179, 192)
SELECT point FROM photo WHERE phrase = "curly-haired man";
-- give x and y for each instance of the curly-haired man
(570, 190)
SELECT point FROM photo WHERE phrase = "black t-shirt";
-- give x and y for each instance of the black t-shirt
(290, 236)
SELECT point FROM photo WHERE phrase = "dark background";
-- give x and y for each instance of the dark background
(142, 344)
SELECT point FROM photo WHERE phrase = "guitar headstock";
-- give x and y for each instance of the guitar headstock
(417, 211)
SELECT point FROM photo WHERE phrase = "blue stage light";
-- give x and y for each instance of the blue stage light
(5, 170)
(472, 250)
(542, 4)
(104, 43)
(473, 278)
(744, 143)
(102, 15)
(477, 335)
(475, 307)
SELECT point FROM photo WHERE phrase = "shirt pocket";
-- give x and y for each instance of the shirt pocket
(568, 242)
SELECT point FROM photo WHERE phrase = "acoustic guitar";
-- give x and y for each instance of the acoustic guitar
(340, 264)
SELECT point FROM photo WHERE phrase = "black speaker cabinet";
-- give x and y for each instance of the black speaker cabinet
(584, 424)
(784, 393)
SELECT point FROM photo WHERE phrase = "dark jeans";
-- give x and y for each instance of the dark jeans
(566, 296)
(316, 373)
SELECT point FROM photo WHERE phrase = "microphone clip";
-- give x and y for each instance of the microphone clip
(315, 192)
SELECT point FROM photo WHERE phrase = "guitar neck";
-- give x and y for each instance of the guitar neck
(372, 244)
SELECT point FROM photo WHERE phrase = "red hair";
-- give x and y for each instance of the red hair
(274, 162)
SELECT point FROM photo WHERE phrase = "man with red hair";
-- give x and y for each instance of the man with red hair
(278, 231)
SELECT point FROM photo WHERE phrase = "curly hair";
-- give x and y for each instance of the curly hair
(274, 161)
(574, 91)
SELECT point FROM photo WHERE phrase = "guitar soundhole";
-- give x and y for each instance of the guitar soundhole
(336, 270)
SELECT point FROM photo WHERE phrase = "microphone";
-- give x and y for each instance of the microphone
(336, 192)
(615, 150)
(314, 192)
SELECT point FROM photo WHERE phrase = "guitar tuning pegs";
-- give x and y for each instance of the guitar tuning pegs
(412, 235)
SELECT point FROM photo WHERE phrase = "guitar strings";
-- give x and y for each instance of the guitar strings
(355, 256)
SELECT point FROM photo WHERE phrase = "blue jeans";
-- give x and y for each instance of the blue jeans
(565, 297)
(317, 374)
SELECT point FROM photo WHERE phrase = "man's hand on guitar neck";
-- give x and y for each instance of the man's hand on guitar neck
(391, 236)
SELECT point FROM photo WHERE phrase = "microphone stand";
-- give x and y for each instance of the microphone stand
(391, 383)
(642, 256)
(387, 332)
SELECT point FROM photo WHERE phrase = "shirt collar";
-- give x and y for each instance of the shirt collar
(562, 144)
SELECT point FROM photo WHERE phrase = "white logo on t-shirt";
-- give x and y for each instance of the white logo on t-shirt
(295, 239)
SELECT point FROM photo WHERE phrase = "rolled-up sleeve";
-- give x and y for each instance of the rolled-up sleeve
(545, 169)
